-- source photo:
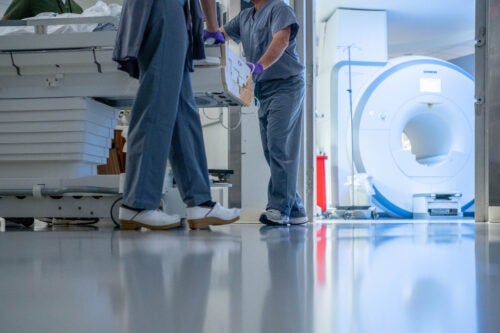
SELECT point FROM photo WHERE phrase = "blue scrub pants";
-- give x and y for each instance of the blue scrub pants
(165, 122)
(280, 117)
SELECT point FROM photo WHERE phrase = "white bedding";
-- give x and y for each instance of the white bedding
(99, 9)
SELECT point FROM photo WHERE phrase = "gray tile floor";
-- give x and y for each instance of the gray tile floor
(382, 276)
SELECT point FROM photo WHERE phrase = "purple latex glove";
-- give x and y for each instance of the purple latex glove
(211, 38)
(255, 68)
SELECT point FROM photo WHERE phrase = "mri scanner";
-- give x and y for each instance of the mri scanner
(414, 132)
(412, 125)
(60, 95)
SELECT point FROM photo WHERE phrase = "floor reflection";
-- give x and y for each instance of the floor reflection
(288, 297)
(397, 278)
(170, 275)
(434, 276)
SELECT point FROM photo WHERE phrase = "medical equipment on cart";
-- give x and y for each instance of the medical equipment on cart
(436, 205)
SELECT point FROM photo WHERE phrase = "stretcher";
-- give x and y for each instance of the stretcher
(60, 95)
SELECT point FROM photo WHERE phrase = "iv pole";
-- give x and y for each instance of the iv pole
(348, 212)
(349, 90)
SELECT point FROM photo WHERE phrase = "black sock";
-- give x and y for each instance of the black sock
(132, 208)
(208, 204)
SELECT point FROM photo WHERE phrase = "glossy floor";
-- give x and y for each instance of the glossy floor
(382, 276)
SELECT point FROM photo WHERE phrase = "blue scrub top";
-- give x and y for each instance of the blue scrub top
(255, 30)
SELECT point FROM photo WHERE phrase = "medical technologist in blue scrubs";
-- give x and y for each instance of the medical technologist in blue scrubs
(268, 34)
(156, 42)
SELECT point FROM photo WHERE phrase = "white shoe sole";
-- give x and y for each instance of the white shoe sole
(134, 225)
(298, 220)
(265, 220)
(208, 221)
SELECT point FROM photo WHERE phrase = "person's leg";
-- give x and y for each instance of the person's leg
(187, 153)
(189, 165)
(161, 60)
(263, 113)
(283, 135)
(263, 122)
(298, 214)
(273, 215)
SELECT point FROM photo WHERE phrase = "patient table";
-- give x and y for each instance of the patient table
(60, 95)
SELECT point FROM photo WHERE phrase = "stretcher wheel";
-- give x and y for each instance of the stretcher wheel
(114, 211)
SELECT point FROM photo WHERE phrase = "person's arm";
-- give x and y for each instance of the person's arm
(275, 50)
(210, 14)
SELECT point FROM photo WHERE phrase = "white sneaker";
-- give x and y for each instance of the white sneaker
(298, 216)
(201, 217)
(274, 217)
(151, 219)
(298, 220)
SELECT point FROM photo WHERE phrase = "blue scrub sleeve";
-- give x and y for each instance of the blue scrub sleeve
(284, 17)
(232, 28)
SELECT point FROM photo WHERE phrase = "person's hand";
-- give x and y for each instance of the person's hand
(216, 37)
(256, 68)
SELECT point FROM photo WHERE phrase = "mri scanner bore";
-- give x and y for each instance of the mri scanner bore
(413, 132)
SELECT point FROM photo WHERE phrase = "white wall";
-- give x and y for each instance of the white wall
(255, 173)
(254, 170)
(366, 32)
(216, 136)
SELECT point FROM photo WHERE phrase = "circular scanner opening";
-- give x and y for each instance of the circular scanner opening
(428, 137)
